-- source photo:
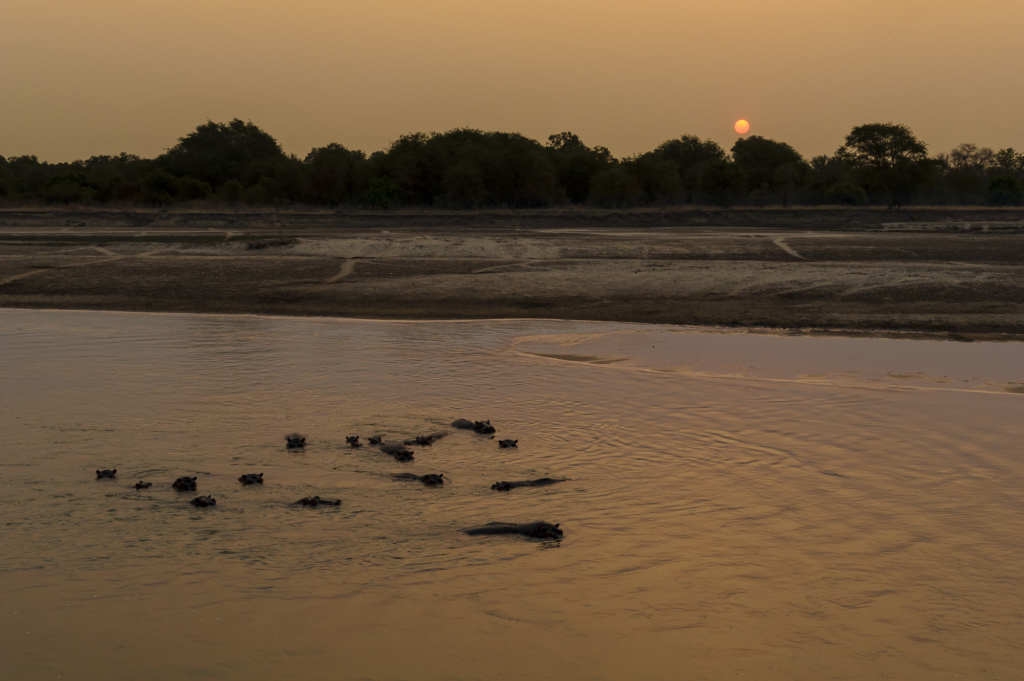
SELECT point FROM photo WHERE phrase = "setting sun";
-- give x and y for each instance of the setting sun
(742, 126)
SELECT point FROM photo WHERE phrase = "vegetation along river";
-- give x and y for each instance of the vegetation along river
(739, 505)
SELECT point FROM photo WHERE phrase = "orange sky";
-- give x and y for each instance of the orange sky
(83, 77)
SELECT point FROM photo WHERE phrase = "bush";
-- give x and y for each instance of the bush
(383, 192)
(1004, 190)
(231, 191)
(192, 189)
(846, 194)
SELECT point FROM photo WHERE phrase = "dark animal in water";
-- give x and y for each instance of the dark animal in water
(106, 473)
(317, 501)
(426, 440)
(251, 479)
(539, 529)
(400, 452)
(354, 441)
(376, 440)
(429, 479)
(295, 441)
(508, 443)
(505, 486)
(204, 501)
(482, 427)
(143, 485)
(185, 484)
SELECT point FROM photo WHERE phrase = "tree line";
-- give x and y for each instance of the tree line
(237, 162)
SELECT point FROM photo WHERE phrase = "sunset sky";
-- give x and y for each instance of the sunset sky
(84, 77)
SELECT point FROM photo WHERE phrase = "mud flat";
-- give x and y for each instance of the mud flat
(934, 270)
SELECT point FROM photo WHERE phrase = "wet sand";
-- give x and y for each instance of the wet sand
(739, 505)
(933, 271)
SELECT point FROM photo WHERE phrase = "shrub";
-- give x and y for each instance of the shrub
(846, 194)
(1004, 190)
(383, 192)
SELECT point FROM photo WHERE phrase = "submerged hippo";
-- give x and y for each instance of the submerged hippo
(400, 452)
(508, 443)
(426, 440)
(295, 441)
(354, 441)
(317, 501)
(505, 486)
(251, 479)
(106, 473)
(204, 501)
(429, 479)
(143, 485)
(539, 529)
(376, 439)
(185, 484)
(482, 427)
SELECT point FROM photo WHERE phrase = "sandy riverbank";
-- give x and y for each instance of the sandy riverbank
(939, 271)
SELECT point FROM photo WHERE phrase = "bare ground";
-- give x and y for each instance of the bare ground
(941, 271)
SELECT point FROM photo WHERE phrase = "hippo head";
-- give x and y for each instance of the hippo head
(106, 473)
(295, 441)
(403, 455)
(185, 483)
(251, 479)
(546, 531)
(376, 440)
(204, 501)
(483, 427)
(143, 485)
(354, 441)
(508, 443)
(432, 479)
(502, 486)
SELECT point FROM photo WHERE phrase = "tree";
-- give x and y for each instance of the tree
(336, 174)
(721, 183)
(1004, 190)
(769, 166)
(887, 157)
(218, 152)
(576, 164)
(691, 156)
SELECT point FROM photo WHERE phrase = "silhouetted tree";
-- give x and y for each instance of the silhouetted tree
(576, 164)
(771, 167)
(1004, 190)
(336, 174)
(721, 183)
(218, 152)
(888, 157)
(691, 156)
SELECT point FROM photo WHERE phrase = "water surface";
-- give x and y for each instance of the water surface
(740, 505)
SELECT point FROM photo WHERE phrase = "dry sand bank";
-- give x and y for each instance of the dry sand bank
(931, 270)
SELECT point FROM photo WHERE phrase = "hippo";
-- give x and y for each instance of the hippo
(106, 473)
(185, 484)
(251, 479)
(430, 479)
(204, 501)
(317, 501)
(505, 486)
(426, 440)
(143, 485)
(295, 441)
(508, 443)
(539, 529)
(376, 439)
(400, 452)
(482, 427)
(354, 441)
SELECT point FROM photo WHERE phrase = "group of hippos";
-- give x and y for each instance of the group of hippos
(401, 452)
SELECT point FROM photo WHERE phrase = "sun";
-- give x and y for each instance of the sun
(742, 126)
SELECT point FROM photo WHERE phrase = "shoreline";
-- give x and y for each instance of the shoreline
(814, 272)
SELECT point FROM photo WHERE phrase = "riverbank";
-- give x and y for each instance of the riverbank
(932, 270)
